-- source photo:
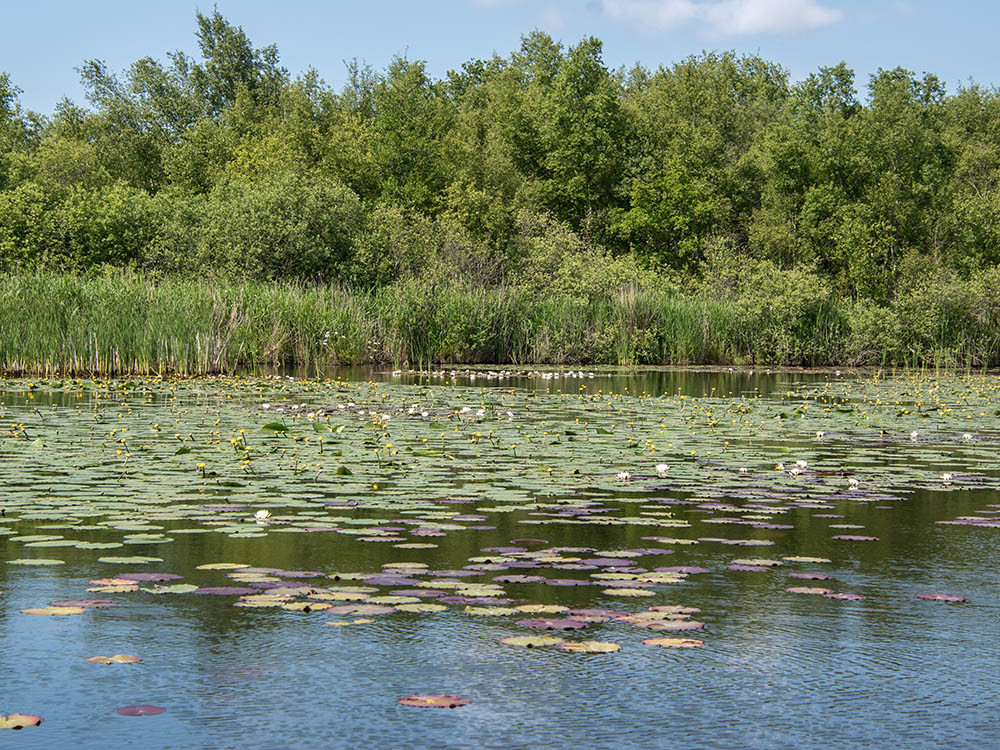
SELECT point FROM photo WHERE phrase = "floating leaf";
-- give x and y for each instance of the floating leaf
(553, 623)
(144, 710)
(628, 592)
(674, 642)
(421, 607)
(116, 659)
(434, 701)
(137, 560)
(938, 597)
(590, 647)
(54, 611)
(36, 561)
(85, 603)
(19, 721)
(532, 641)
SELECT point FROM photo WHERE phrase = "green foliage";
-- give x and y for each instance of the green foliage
(530, 206)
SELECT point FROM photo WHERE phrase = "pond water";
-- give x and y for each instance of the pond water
(417, 513)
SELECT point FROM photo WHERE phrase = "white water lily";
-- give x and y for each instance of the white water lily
(801, 464)
(946, 478)
(623, 476)
(744, 470)
(262, 515)
(967, 436)
(662, 469)
(853, 483)
(914, 435)
(795, 471)
(820, 434)
(779, 466)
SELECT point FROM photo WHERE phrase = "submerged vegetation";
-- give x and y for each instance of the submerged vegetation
(537, 207)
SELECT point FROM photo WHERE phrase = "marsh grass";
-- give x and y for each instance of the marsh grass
(125, 323)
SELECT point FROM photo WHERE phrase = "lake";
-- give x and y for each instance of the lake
(291, 557)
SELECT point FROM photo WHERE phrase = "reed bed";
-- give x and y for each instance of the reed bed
(125, 323)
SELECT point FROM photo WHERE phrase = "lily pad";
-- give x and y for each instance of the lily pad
(938, 597)
(19, 721)
(590, 647)
(434, 701)
(553, 623)
(54, 611)
(143, 710)
(674, 642)
(116, 659)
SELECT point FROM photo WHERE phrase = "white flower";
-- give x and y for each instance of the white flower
(623, 476)
(262, 515)
(853, 483)
(801, 464)
(946, 478)
(913, 435)
(662, 469)
(744, 470)
(779, 467)
(820, 434)
(795, 471)
(967, 436)
(266, 406)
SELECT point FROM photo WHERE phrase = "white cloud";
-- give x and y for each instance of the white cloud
(727, 17)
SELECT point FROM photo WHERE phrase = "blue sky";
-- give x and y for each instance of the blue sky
(42, 42)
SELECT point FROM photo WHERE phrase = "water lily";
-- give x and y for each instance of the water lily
(662, 469)
(913, 435)
(853, 483)
(801, 464)
(820, 434)
(623, 476)
(262, 515)
(946, 478)
(967, 436)
(779, 466)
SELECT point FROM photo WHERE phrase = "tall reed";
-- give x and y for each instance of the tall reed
(124, 323)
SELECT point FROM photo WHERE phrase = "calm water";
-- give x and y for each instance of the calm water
(776, 670)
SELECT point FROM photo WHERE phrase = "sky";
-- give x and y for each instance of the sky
(44, 41)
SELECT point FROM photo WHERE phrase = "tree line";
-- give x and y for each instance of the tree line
(544, 169)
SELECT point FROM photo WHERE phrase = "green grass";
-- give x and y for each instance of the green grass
(125, 323)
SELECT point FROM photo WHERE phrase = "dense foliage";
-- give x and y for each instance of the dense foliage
(544, 171)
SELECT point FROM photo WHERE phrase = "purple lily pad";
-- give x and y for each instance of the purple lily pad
(144, 710)
(748, 568)
(686, 569)
(85, 603)
(810, 576)
(553, 623)
(938, 597)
